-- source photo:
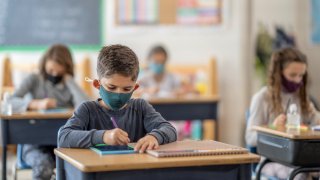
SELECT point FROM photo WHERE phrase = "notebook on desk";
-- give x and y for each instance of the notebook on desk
(196, 148)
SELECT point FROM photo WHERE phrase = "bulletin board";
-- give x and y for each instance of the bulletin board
(169, 12)
(315, 16)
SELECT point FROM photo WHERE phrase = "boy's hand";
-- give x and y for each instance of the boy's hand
(280, 120)
(148, 142)
(116, 137)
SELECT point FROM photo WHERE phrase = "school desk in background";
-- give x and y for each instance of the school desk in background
(299, 148)
(202, 110)
(30, 128)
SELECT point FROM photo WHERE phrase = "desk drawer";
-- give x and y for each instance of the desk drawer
(287, 151)
(42, 132)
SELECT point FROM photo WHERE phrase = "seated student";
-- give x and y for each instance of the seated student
(287, 82)
(156, 81)
(53, 87)
(115, 118)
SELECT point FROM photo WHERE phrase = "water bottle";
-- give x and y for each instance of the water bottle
(6, 106)
(293, 117)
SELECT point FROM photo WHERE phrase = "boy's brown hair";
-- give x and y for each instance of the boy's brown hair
(60, 54)
(279, 61)
(117, 59)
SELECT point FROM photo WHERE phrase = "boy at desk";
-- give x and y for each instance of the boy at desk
(115, 118)
(53, 87)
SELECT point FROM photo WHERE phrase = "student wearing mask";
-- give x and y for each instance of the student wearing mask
(53, 87)
(116, 118)
(287, 84)
(156, 82)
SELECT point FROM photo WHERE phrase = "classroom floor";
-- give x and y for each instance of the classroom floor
(21, 175)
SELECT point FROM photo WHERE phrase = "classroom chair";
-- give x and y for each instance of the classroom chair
(253, 149)
(20, 163)
(315, 103)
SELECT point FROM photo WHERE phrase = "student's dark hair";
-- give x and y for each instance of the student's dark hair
(158, 50)
(60, 54)
(117, 59)
(279, 61)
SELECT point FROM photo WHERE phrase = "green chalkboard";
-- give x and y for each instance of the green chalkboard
(36, 24)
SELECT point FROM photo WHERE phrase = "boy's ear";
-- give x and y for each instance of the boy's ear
(136, 87)
(96, 84)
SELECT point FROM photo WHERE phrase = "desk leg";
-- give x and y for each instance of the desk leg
(4, 128)
(299, 170)
(60, 169)
(216, 129)
(260, 166)
(4, 162)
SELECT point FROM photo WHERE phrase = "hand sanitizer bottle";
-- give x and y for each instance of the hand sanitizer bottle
(6, 106)
(293, 117)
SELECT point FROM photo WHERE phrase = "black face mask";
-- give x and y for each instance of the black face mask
(54, 79)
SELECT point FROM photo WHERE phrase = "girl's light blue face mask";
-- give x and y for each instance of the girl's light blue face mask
(157, 68)
(114, 100)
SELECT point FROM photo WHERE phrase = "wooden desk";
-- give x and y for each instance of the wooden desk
(202, 108)
(297, 149)
(283, 132)
(30, 128)
(83, 164)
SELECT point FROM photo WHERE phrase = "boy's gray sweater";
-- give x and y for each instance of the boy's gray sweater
(90, 120)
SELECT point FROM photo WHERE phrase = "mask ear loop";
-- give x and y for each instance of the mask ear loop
(87, 79)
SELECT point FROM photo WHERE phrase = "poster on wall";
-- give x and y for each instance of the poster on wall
(315, 21)
(138, 11)
(172, 12)
(205, 12)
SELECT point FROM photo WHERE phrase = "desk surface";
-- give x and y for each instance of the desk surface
(88, 161)
(284, 132)
(38, 115)
(185, 100)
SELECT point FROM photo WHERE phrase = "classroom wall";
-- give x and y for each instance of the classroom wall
(193, 45)
(294, 16)
(269, 13)
(196, 45)
(303, 25)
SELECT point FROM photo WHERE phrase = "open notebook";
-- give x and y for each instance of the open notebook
(196, 148)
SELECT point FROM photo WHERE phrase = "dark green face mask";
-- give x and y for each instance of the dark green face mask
(114, 100)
